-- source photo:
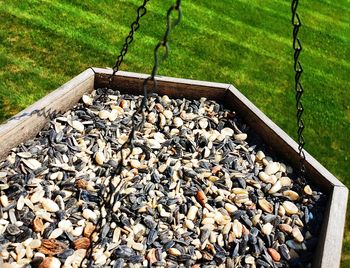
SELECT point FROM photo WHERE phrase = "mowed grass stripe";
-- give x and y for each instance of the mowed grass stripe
(272, 37)
(255, 44)
(282, 12)
(68, 31)
(320, 54)
(240, 42)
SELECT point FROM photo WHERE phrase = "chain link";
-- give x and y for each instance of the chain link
(296, 22)
(162, 43)
(107, 201)
(141, 11)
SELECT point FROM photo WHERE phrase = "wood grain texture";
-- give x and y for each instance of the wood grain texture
(26, 124)
(329, 248)
(127, 82)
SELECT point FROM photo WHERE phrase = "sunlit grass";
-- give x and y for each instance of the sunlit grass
(45, 43)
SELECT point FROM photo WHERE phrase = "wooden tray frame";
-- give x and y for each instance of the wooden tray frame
(29, 122)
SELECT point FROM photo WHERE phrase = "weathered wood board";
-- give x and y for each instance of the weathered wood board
(30, 121)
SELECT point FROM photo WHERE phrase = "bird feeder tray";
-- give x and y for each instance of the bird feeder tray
(28, 123)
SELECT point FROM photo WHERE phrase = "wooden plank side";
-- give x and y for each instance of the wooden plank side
(330, 245)
(280, 142)
(29, 122)
(127, 82)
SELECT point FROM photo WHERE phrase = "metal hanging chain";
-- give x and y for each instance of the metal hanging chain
(296, 22)
(141, 11)
(162, 43)
(135, 127)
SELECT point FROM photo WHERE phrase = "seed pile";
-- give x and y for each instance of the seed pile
(189, 192)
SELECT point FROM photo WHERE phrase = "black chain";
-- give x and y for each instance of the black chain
(141, 11)
(162, 43)
(296, 22)
(106, 203)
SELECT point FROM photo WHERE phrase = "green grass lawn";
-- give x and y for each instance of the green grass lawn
(45, 43)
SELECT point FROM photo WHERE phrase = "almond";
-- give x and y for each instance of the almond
(285, 228)
(274, 254)
(89, 229)
(52, 247)
(81, 183)
(201, 197)
(38, 225)
(82, 243)
(159, 107)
